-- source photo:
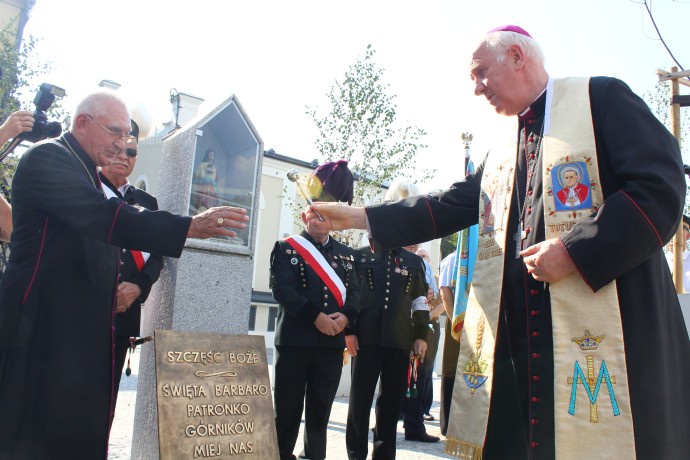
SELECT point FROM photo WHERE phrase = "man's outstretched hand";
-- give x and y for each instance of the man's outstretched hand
(338, 216)
(217, 221)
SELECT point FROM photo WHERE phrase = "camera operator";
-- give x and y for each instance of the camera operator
(58, 293)
(21, 121)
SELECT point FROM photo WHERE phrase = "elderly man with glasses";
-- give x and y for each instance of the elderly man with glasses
(138, 269)
(59, 292)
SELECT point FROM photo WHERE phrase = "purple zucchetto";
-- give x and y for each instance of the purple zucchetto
(332, 181)
(511, 28)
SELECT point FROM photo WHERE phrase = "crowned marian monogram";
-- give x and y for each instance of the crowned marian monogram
(590, 382)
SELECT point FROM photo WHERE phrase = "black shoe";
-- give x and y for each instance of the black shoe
(429, 418)
(422, 437)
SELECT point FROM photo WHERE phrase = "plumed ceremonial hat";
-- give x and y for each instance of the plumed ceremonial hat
(142, 122)
(332, 181)
(135, 130)
(400, 189)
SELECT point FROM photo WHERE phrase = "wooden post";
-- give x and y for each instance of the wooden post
(678, 240)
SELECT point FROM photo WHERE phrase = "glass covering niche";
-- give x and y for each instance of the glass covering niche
(225, 167)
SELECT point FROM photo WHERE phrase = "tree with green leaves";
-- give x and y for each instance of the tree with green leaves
(20, 69)
(20, 72)
(361, 127)
(659, 102)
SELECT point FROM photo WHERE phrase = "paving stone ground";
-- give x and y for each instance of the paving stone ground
(121, 435)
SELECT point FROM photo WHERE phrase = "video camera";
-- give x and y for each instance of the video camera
(42, 127)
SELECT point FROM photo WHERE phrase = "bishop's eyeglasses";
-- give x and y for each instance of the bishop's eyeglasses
(115, 132)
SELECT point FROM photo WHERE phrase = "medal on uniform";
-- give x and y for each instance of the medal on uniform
(293, 261)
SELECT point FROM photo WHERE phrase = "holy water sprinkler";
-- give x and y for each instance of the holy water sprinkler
(293, 176)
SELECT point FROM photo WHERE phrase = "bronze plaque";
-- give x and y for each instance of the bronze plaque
(214, 397)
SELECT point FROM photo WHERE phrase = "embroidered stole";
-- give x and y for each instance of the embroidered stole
(321, 267)
(140, 257)
(592, 412)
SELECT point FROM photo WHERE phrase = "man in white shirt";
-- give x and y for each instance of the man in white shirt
(451, 347)
(436, 309)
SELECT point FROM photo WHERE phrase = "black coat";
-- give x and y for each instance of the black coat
(127, 324)
(390, 281)
(644, 190)
(57, 302)
(302, 295)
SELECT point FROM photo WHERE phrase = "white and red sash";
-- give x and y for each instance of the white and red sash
(140, 257)
(318, 263)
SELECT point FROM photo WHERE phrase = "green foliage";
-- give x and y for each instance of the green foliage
(361, 127)
(20, 71)
(659, 102)
(448, 244)
(19, 82)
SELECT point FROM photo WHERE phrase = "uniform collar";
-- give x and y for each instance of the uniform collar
(327, 245)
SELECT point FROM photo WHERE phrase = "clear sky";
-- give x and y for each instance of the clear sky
(279, 56)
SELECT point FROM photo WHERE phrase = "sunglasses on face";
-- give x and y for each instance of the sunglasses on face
(132, 153)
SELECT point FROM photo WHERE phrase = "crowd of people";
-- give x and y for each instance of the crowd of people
(571, 291)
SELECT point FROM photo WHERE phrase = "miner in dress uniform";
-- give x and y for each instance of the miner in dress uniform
(313, 280)
(387, 343)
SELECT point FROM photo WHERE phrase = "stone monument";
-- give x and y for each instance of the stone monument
(214, 160)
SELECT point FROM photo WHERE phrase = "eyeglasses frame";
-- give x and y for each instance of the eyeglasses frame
(111, 131)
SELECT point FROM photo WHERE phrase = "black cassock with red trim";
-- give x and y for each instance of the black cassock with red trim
(644, 190)
(57, 302)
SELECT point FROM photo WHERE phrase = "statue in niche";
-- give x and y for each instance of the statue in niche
(205, 189)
